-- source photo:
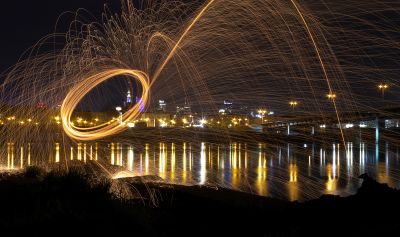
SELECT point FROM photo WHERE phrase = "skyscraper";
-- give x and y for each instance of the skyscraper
(228, 107)
(128, 102)
(128, 97)
(162, 106)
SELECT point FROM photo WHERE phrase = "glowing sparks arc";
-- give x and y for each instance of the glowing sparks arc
(76, 94)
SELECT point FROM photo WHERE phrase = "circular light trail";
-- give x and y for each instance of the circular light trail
(77, 93)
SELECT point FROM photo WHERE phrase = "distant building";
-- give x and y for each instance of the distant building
(183, 110)
(162, 106)
(129, 97)
(227, 108)
(243, 110)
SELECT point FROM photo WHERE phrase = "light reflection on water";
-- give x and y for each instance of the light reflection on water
(290, 172)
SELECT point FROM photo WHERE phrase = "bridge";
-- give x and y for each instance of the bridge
(383, 119)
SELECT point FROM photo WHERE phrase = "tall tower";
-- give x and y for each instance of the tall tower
(129, 94)
(128, 97)
(162, 106)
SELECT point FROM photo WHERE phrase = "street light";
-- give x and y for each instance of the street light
(293, 104)
(331, 96)
(383, 87)
(203, 121)
(119, 109)
(262, 112)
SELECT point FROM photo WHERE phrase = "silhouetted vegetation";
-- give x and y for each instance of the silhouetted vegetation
(77, 202)
(34, 172)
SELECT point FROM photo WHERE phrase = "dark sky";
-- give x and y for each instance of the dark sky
(23, 23)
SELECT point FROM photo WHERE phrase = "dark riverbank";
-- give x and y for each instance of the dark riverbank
(77, 203)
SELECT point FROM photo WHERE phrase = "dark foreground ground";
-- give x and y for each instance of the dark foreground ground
(76, 203)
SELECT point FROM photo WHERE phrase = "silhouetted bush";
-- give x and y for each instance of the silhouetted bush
(34, 172)
(77, 201)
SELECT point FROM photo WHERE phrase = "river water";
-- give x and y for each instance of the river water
(289, 171)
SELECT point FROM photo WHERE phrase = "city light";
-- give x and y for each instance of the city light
(119, 109)
(262, 113)
(349, 125)
(203, 121)
(293, 104)
(383, 87)
(331, 96)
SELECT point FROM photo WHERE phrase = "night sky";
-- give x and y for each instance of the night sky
(23, 23)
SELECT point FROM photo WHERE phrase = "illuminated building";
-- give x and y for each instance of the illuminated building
(183, 110)
(228, 107)
(128, 97)
(162, 106)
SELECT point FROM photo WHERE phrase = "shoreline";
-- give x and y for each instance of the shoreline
(148, 207)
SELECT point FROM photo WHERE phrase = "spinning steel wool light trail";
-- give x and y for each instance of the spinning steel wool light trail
(77, 93)
(67, 109)
(105, 129)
